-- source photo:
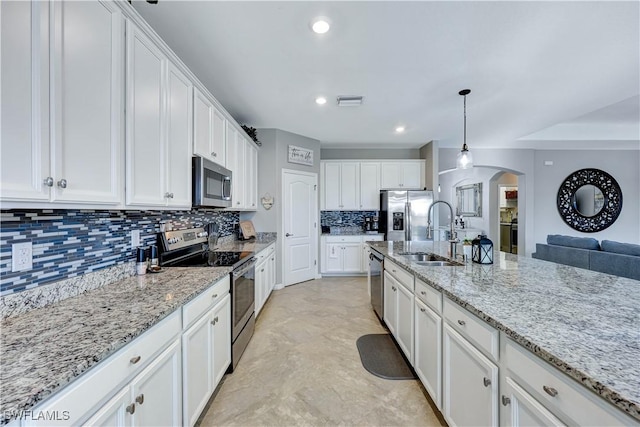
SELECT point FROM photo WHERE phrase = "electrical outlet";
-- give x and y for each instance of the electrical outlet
(135, 238)
(21, 256)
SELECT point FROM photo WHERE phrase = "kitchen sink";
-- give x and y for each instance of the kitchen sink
(428, 259)
(439, 263)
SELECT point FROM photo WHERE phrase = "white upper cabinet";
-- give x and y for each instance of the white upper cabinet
(208, 130)
(407, 174)
(76, 156)
(341, 185)
(159, 118)
(179, 145)
(370, 186)
(251, 176)
(145, 158)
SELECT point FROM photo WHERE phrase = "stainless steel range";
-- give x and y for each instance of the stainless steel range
(189, 248)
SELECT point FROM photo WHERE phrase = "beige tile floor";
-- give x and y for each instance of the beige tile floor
(302, 366)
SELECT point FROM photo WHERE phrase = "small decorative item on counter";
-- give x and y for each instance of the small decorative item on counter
(153, 255)
(141, 261)
(482, 250)
(466, 250)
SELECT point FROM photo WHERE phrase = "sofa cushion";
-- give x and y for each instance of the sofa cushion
(616, 264)
(573, 242)
(562, 255)
(621, 248)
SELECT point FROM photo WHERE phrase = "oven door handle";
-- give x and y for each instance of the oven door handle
(245, 267)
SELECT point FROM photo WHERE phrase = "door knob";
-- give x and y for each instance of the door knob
(288, 235)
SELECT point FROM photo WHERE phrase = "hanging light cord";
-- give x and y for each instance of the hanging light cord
(464, 144)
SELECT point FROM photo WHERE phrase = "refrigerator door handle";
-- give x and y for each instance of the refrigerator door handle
(407, 215)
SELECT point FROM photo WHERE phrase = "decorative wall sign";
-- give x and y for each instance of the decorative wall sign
(302, 156)
(589, 200)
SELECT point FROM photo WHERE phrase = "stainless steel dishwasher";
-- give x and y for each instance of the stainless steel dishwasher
(376, 279)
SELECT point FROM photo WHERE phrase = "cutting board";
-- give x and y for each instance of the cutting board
(247, 229)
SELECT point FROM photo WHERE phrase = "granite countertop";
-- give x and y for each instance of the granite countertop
(253, 245)
(585, 323)
(46, 348)
(352, 233)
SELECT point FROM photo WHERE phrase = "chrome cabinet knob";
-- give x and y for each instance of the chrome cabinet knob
(486, 381)
(214, 296)
(505, 401)
(140, 399)
(288, 235)
(62, 183)
(423, 293)
(214, 154)
(461, 322)
(131, 408)
(134, 360)
(422, 310)
(550, 391)
(48, 181)
(167, 195)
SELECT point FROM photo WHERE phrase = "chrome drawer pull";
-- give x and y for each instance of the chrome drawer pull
(131, 408)
(486, 381)
(422, 310)
(461, 322)
(134, 360)
(140, 399)
(550, 391)
(506, 401)
(423, 293)
(214, 296)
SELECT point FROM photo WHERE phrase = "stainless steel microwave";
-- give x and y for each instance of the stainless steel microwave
(211, 184)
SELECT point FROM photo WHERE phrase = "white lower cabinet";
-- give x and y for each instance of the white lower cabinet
(265, 276)
(398, 313)
(519, 408)
(345, 254)
(206, 350)
(114, 413)
(470, 383)
(427, 356)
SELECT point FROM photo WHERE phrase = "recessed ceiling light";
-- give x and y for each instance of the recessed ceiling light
(320, 25)
(400, 129)
(321, 100)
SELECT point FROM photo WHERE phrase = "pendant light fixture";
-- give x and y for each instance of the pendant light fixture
(464, 160)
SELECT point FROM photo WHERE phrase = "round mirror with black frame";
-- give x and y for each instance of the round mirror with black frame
(589, 200)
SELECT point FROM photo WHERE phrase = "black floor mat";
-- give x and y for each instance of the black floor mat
(380, 356)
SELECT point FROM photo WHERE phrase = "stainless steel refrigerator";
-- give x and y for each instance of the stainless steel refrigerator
(403, 214)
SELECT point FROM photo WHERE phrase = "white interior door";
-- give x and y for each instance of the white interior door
(300, 212)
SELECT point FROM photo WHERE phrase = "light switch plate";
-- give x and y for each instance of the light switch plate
(21, 256)
(135, 238)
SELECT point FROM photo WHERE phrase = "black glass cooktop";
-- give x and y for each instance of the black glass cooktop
(211, 259)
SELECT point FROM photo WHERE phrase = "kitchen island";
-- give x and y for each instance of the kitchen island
(585, 324)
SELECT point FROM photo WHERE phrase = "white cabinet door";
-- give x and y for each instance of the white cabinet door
(390, 175)
(145, 159)
(235, 163)
(272, 272)
(350, 185)
(427, 357)
(202, 125)
(156, 392)
(390, 302)
(251, 176)
(87, 81)
(333, 258)
(411, 175)
(331, 186)
(470, 383)
(219, 142)
(116, 412)
(519, 408)
(197, 368)
(351, 257)
(260, 285)
(221, 322)
(404, 325)
(24, 96)
(370, 186)
(180, 118)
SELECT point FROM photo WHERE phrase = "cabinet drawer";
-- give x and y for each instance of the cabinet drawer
(429, 295)
(196, 308)
(83, 396)
(373, 238)
(399, 273)
(343, 239)
(572, 402)
(484, 336)
(265, 253)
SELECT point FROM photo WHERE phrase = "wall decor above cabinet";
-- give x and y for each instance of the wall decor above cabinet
(589, 200)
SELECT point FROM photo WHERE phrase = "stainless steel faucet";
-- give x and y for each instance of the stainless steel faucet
(454, 236)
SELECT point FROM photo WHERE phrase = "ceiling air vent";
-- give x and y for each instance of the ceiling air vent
(349, 101)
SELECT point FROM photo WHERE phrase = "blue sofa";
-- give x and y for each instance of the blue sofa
(618, 259)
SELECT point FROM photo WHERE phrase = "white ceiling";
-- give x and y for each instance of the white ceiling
(542, 69)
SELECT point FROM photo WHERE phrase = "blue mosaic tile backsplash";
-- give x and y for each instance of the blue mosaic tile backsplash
(345, 218)
(68, 243)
